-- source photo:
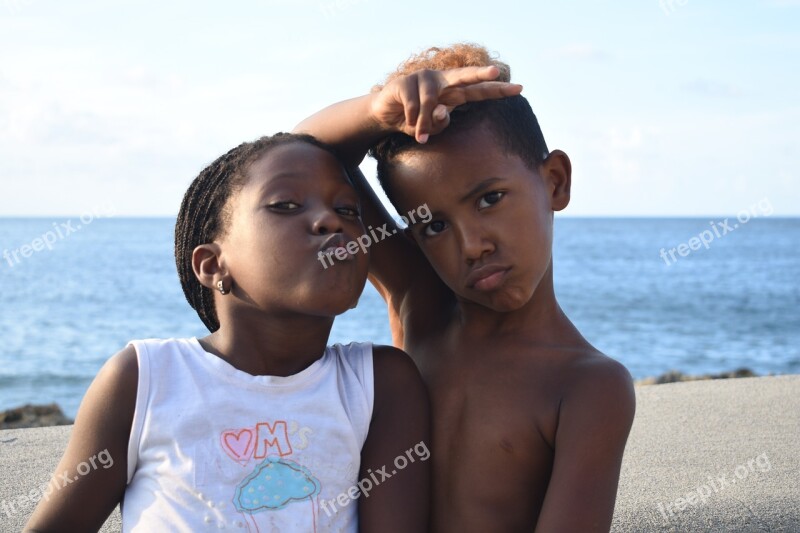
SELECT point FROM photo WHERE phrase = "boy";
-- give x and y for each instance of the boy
(529, 420)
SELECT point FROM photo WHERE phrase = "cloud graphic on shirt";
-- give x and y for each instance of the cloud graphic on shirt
(274, 484)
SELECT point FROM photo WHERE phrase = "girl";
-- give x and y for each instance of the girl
(258, 426)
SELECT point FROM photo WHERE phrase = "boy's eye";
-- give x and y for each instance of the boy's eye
(285, 206)
(434, 228)
(490, 199)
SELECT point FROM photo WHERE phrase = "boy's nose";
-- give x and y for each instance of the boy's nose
(474, 244)
(326, 221)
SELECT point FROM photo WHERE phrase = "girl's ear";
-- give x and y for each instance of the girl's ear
(557, 172)
(207, 264)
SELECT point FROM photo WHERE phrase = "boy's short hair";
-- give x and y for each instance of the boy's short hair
(511, 120)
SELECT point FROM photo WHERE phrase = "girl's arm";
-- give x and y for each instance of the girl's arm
(91, 478)
(417, 104)
(394, 488)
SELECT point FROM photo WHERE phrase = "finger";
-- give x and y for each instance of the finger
(440, 113)
(489, 90)
(409, 97)
(467, 75)
(428, 96)
(441, 119)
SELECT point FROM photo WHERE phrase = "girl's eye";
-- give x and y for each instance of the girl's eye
(490, 199)
(285, 206)
(348, 211)
(434, 228)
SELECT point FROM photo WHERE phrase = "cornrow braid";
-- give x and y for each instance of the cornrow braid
(204, 215)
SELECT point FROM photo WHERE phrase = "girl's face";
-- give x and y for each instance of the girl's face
(296, 202)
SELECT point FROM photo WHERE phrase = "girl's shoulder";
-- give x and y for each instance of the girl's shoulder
(354, 361)
(378, 362)
(153, 344)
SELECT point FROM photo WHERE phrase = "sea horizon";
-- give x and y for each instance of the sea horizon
(643, 290)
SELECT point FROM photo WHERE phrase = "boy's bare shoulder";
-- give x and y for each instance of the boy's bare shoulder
(584, 374)
(574, 385)
(574, 368)
(593, 384)
(592, 369)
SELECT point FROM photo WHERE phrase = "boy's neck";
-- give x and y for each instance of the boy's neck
(276, 346)
(540, 320)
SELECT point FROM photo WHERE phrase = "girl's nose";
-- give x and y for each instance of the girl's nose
(326, 220)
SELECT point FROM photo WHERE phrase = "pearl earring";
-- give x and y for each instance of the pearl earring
(221, 288)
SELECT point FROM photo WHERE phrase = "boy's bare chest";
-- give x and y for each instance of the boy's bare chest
(490, 385)
(490, 455)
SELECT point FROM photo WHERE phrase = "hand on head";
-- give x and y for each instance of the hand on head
(419, 104)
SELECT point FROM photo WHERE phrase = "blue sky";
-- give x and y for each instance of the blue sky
(671, 108)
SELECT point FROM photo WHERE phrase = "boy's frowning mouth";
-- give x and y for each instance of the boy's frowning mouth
(487, 277)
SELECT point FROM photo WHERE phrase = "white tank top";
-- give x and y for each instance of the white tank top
(213, 447)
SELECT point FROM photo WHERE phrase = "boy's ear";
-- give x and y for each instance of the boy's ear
(207, 265)
(557, 172)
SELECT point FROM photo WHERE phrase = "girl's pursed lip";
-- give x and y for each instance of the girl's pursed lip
(337, 240)
(331, 252)
(332, 245)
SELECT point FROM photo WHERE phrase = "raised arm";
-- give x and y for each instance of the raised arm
(417, 104)
(90, 480)
(394, 480)
(397, 268)
(594, 422)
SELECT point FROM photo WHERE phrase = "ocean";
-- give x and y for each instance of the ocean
(717, 298)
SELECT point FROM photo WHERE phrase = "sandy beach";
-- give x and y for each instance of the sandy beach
(715, 455)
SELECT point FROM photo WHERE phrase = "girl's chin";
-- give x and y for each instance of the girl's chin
(337, 308)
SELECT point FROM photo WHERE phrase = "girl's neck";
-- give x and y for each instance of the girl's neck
(278, 346)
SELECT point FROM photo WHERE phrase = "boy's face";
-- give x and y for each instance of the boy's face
(490, 236)
(297, 201)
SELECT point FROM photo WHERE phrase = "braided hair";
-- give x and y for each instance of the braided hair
(205, 216)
